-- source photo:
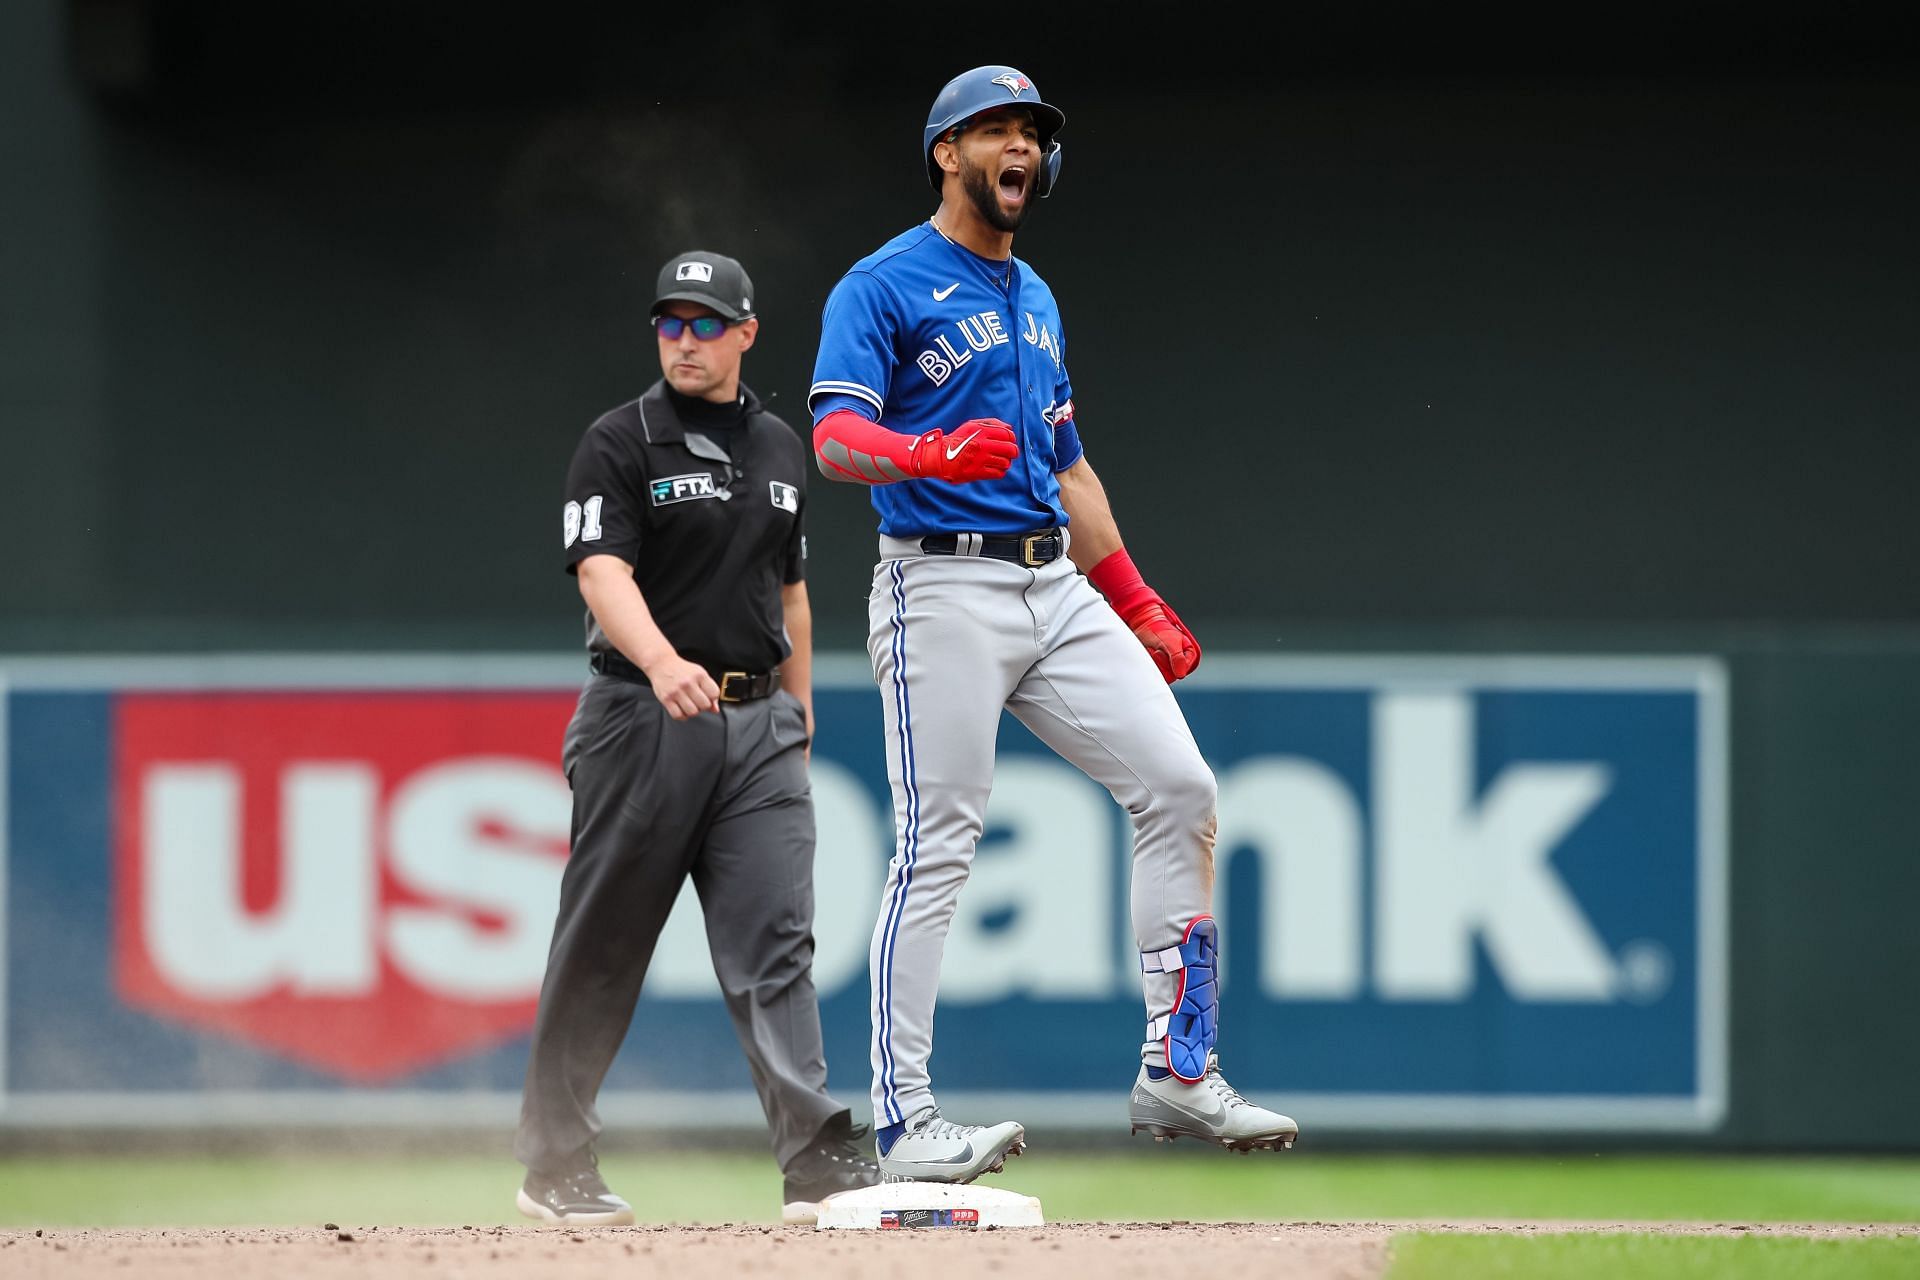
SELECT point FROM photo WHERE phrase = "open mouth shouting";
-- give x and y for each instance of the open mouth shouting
(1014, 185)
(999, 176)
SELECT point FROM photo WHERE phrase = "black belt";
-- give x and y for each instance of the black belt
(735, 686)
(1030, 549)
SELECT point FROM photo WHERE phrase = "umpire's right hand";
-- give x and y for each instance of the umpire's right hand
(684, 688)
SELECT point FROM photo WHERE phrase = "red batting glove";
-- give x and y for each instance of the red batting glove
(1169, 643)
(978, 449)
(1150, 618)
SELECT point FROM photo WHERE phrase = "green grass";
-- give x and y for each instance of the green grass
(1460, 1257)
(1154, 1185)
(1216, 1186)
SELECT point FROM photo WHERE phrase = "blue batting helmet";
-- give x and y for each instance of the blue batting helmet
(987, 89)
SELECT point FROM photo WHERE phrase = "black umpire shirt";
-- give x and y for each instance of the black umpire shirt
(705, 502)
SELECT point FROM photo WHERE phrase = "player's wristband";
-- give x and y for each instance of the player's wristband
(1120, 582)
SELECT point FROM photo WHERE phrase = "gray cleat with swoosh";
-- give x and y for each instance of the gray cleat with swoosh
(935, 1150)
(1211, 1110)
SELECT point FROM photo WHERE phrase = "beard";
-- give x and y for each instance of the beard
(986, 199)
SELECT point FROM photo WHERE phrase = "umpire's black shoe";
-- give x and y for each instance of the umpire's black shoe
(835, 1162)
(576, 1197)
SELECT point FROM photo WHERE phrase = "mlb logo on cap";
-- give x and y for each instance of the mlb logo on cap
(711, 279)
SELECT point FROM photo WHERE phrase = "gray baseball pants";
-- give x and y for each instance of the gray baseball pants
(720, 797)
(953, 639)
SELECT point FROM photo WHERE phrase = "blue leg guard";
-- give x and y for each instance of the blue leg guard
(1194, 1024)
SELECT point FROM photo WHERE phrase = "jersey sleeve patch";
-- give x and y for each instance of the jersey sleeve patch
(602, 514)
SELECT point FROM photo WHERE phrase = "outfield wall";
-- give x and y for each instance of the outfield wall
(1460, 893)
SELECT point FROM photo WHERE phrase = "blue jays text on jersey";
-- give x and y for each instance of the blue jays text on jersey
(923, 335)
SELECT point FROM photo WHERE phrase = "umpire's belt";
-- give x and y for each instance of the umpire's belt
(1030, 549)
(735, 686)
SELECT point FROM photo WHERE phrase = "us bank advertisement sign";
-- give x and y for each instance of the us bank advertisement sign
(1455, 894)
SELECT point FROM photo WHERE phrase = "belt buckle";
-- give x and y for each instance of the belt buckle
(727, 679)
(1026, 550)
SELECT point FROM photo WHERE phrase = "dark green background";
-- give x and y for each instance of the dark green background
(1396, 328)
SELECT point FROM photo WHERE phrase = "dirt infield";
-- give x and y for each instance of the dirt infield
(1072, 1251)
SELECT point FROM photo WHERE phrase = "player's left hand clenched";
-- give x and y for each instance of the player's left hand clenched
(1150, 618)
(1169, 643)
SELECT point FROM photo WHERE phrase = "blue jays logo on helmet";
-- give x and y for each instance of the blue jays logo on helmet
(987, 89)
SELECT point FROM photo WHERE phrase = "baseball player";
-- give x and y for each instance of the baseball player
(942, 383)
(687, 753)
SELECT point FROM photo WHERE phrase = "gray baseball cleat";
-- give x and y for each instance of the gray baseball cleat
(935, 1150)
(1211, 1110)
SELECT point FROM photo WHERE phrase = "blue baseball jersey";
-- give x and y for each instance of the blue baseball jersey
(923, 335)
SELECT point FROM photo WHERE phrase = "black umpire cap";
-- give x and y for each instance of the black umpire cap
(710, 279)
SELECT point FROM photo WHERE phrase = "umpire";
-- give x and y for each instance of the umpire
(687, 753)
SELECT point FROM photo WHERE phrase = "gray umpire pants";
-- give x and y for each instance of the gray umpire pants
(954, 639)
(722, 798)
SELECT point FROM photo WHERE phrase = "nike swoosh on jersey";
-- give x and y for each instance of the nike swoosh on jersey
(941, 295)
(954, 451)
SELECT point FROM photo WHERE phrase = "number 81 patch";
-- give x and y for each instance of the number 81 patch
(582, 523)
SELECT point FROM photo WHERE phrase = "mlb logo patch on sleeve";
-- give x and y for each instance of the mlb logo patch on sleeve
(785, 496)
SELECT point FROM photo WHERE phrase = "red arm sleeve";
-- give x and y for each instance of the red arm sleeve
(850, 447)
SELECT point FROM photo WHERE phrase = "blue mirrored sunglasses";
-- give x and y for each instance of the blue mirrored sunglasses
(705, 328)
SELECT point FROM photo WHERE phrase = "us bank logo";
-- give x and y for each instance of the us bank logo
(361, 883)
(1454, 893)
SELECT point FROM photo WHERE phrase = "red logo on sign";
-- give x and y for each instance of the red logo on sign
(362, 882)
